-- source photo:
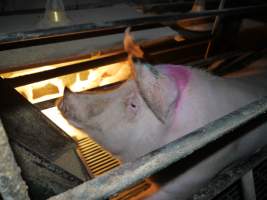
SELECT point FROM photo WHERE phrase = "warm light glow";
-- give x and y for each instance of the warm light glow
(77, 82)
(41, 91)
(55, 115)
(41, 69)
(55, 13)
(101, 76)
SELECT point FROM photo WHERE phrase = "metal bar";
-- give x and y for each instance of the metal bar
(215, 28)
(167, 7)
(230, 175)
(40, 76)
(206, 61)
(61, 34)
(239, 63)
(12, 185)
(248, 186)
(30, 38)
(99, 62)
(18, 114)
(75, 6)
(116, 180)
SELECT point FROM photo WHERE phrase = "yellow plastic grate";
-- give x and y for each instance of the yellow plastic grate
(98, 161)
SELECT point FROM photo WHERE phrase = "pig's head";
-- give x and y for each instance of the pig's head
(128, 121)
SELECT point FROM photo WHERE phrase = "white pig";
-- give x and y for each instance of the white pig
(163, 103)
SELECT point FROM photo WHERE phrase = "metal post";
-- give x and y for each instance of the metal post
(12, 185)
(215, 28)
(248, 186)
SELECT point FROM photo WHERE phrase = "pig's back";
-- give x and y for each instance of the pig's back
(207, 98)
(257, 80)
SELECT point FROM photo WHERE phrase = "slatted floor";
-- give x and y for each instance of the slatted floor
(98, 161)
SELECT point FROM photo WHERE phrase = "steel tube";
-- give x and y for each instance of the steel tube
(12, 185)
(36, 37)
(94, 63)
(61, 71)
(232, 174)
(248, 186)
(130, 173)
(215, 28)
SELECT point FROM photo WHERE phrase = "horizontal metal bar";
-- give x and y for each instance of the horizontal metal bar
(61, 34)
(30, 38)
(40, 76)
(99, 62)
(71, 7)
(230, 175)
(116, 180)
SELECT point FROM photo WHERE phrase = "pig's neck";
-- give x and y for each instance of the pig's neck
(206, 98)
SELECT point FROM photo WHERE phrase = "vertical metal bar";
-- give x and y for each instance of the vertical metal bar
(215, 27)
(230, 175)
(248, 186)
(12, 185)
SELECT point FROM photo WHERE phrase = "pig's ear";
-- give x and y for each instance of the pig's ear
(67, 92)
(157, 89)
(64, 103)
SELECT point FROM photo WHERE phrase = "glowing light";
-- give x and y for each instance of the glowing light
(41, 69)
(41, 91)
(55, 13)
(77, 82)
(55, 115)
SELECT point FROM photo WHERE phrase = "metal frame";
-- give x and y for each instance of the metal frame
(114, 181)
(37, 37)
(130, 173)
(93, 63)
(12, 185)
(238, 170)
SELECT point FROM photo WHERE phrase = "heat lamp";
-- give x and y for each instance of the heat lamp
(54, 15)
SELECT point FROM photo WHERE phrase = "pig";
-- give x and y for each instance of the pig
(159, 104)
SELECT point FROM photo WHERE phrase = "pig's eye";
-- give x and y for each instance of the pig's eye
(131, 106)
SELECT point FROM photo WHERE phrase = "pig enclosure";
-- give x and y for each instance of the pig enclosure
(55, 157)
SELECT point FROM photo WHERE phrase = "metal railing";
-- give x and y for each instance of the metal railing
(12, 185)
(45, 36)
(130, 173)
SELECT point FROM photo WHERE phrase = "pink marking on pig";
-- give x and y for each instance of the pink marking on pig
(181, 75)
